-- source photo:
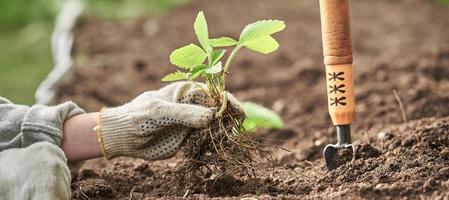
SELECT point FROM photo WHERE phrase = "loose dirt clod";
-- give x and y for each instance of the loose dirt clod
(219, 146)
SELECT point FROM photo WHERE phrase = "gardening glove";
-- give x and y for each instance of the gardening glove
(154, 125)
(190, 93)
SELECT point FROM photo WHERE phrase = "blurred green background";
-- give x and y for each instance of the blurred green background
(25, 31)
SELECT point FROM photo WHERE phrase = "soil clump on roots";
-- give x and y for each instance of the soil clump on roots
(221, 150)
(116, 61)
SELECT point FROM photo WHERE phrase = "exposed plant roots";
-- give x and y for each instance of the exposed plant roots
(223, 149)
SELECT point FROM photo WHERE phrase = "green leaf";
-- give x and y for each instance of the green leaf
(264, 45)
(250, 125)
(222, 42)
(217, 55)
(260, 29)
(175, 76)
(197, 71)
(259, 116)
(201, 31)
(215, 69)
(195, 75)
(188, 56)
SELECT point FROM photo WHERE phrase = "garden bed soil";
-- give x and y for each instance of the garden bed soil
(400, 47)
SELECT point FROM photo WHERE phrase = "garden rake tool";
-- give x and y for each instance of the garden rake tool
(337, 50)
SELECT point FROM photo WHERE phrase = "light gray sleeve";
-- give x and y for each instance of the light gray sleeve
(38, 171)
(21, 126)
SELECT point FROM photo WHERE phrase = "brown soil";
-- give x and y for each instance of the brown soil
(400, 45)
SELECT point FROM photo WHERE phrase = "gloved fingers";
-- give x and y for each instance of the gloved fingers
(189, 115)
(195, 96)
(144, 97)
(158, 115)
(165, 144)
(235, 106)
(184, 91)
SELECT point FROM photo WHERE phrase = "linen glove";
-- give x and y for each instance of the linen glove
(154, 124)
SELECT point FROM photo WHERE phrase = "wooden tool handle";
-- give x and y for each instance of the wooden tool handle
(336, 32)
(337, 50)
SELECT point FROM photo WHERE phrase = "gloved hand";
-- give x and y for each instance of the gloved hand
(154, 125)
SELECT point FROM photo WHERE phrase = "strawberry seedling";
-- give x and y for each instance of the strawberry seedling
(226, 138)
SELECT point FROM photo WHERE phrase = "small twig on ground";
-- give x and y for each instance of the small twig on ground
(186, 194)
(131, 193)
(401, 106)
(84, 195)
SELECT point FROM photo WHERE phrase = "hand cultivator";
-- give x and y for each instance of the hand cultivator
(337, 50)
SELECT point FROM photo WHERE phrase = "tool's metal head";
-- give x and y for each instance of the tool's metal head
(330, 155)
(334, 153)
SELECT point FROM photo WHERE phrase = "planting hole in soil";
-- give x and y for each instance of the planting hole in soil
(393, 51)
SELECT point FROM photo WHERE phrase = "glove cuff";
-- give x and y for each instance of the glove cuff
(116, 131)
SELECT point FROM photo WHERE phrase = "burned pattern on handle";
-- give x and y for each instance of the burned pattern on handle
(336, 88)
(334, 76)
(340, 91)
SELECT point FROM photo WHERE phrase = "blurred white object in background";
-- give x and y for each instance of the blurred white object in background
(61, 44)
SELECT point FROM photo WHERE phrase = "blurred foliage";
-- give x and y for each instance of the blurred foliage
(446, 2)
(25, 31)
(19, 13)
(122, 9)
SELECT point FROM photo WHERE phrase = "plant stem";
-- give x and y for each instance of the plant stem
(228, 63)
(224, 99)
(209, 58)
(224, 104)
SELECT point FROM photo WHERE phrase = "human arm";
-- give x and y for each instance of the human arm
(21, 126)
(153, 126)
(80, 141)
(67, 126)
